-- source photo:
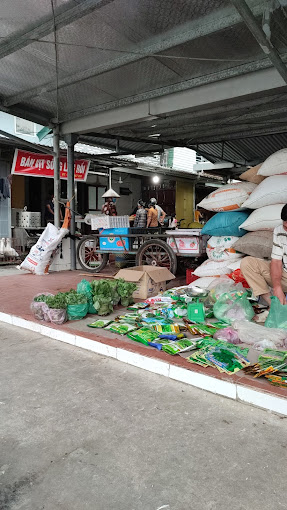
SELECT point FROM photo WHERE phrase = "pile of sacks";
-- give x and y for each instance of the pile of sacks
(247, 213)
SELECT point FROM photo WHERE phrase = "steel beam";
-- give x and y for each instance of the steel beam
(265, 44)
(220, 87)
(187, 85)
(215, 138)
(45, 25)
(228, 121)
(234, 108)
(189, 31)
(57, 182)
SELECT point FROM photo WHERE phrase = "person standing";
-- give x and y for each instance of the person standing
(109, 207)
(141, 216)
(160, 212)
(152, 216)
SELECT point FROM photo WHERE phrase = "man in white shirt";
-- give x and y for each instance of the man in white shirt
(261, 274)
(160, 212)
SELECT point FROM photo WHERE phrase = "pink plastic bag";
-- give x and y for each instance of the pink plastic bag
(57, 316)
(227, 334)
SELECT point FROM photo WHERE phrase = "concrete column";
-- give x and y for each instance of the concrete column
(57, 183)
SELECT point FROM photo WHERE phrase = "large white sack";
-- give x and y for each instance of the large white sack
(265, 218)
(272, 190)
(211, 268)
(234, 264)
(39, 257)
(203, 282)
(219, 248)
(228, 198)
(275, 164)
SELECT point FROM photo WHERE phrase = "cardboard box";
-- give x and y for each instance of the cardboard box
(112, 242)
(150, 279)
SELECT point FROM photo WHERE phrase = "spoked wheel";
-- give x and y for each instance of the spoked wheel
(88, 256)
(156, 253)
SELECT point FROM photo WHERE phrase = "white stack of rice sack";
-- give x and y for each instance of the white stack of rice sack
(224, 228)
(266, 203)
(252, 219)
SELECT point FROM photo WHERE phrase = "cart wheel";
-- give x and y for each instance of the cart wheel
(156, 253)
(88, 256)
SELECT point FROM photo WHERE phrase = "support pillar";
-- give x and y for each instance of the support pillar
(57, 182)
(71, 140)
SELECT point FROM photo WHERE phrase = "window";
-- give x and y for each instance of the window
(24, 127)
(95, 198)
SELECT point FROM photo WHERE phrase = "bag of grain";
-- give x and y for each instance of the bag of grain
(228, 198)
(226, 224)
(256, 244)
(275, 164)
(251, 175)
(265, 218)
(212, 268)
(221, 248)
(272, 190)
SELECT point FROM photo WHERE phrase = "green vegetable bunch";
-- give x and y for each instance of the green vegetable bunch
(42, 298)
(76, 299)
(103, 296)
(125, 290)
(58, 301)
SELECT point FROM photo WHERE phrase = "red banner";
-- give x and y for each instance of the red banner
(42, 165)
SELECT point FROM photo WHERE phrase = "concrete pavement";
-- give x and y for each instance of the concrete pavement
(81, 431)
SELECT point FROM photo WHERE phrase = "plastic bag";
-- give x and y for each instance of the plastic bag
(251, 333)
(217, 288)
(277, 317)
(230, 307)
(39, 258)
(84, 287)
(57, 315)
(228, 334)
(39, 308)
(77, 312)
(238, 277)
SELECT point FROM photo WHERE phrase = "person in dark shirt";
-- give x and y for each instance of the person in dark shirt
(49, 210)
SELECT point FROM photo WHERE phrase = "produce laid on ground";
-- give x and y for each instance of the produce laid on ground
(98, 297)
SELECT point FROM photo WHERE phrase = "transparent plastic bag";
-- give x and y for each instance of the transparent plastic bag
(39, 308)
(277, 317)
(252, 334)
(57, 315)
(231, 306)
(228, 334)
(216, 289)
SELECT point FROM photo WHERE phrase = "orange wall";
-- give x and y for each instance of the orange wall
(18, 191)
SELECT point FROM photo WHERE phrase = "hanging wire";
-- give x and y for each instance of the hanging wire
(56, 60)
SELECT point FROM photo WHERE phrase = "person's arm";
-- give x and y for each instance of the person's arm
(163, 215)
(276, 269)
(276, 276)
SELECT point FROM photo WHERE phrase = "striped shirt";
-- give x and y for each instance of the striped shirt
(279, 250)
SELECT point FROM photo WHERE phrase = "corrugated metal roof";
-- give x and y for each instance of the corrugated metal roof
(105, 54)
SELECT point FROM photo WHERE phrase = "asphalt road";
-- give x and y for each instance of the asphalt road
(81, 431)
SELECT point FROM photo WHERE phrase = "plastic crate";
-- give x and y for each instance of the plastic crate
(111, 241)
(104, 221)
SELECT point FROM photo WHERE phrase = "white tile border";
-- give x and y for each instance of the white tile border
(228, 389)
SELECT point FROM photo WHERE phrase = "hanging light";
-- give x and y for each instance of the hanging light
(110, 194)
(155, 179)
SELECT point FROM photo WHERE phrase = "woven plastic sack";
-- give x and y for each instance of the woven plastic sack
(226, 224)
(57, 315)
(228, 198)
(85, 288)
(220, 248)
(230, 307)
(271, 191)
(264, 218)
(277, 317)
(77, 312)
